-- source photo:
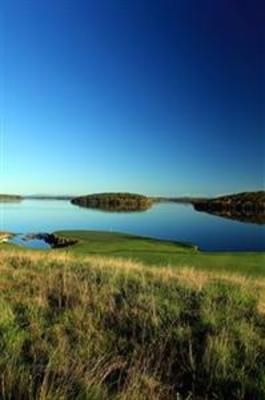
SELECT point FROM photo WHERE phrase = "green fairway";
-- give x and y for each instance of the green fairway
(158, 252)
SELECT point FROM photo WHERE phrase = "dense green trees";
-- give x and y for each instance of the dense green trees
(114, 201)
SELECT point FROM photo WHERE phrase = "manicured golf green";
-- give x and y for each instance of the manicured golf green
(158, 252)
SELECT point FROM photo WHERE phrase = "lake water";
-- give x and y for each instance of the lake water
(164, 221)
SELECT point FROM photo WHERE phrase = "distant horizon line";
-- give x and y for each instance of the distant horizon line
(53, 195)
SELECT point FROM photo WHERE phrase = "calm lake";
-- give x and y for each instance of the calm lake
(164, 221)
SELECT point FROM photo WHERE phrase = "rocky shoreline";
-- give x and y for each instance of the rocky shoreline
(52, 240)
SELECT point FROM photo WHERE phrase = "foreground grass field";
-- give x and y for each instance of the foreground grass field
(157, 252)
(87, 323)
(105, 328)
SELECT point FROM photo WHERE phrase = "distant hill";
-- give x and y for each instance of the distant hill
(114, 201)
(246, 206)
(10, 197)
(48, 197)
(181, 200)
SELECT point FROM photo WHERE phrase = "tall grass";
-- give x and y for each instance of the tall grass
(98, 329)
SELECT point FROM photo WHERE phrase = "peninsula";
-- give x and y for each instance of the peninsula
(245, 207)
(10, 197)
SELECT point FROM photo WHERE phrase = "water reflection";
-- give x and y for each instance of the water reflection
(253, 218)
(164, 221)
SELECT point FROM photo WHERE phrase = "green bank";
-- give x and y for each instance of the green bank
(155, 252)
(158, 252)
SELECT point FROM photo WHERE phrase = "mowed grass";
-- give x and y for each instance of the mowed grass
(98, 328)
(158, 252)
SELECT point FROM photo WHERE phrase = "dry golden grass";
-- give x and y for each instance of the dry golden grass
(97, 328)
(188, 275)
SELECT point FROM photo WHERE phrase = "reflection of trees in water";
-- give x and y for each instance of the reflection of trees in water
(245, 207)
(257, 218)
(118, 208)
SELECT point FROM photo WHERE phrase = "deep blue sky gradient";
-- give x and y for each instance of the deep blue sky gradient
(160, 97)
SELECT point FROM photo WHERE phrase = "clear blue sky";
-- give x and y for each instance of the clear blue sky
(159, 97)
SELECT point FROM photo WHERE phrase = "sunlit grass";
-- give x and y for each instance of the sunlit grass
(109, 328)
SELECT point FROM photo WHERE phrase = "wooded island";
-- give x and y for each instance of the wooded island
(114, 201)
